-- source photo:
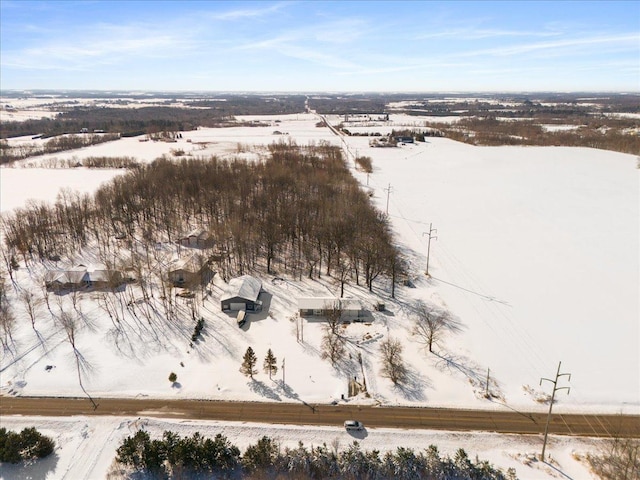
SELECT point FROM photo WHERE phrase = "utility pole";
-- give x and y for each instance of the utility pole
(486, 391)
(553, 395)
(388, 190)
(283, 382)
(431, 236)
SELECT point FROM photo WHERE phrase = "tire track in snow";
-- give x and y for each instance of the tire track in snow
(90, 451)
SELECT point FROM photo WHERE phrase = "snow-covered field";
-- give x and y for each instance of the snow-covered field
(536, 255)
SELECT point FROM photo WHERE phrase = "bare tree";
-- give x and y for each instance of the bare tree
(334, 315)
(7, 258)
(31, 304)
(333, 347)
(432, 323)
(7, 320)
(392, 363)
(70, 325)
(343, 270)
(618, 460)
(333, 343)
(45, 296)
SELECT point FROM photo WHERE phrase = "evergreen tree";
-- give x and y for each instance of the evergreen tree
(249, 363)
(29, 444)
(261, 456)
(270, 364)
(11, 450)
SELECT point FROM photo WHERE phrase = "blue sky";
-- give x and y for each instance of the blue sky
(310, 46)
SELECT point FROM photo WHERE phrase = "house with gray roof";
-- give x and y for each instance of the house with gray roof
(242, 294)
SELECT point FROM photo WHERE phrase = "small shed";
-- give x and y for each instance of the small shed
(198, 238)
(319, 306)
(242, 294)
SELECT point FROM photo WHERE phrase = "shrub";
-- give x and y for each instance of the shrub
(29, 444)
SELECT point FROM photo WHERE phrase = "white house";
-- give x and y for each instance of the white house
(319, 306)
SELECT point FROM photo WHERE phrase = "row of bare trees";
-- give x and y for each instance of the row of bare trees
(610, 135)
(9, 153)
(299, 212)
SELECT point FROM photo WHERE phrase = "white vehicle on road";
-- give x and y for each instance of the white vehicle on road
(353, 425)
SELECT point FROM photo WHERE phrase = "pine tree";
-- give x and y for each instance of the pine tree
(249, 363)
(270, 364)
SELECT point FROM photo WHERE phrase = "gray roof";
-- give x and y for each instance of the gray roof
(79, 275)
(246, 287)
(65, 276)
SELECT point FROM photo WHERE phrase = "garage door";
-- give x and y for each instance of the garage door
(237, 306)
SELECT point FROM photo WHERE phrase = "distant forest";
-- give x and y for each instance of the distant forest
(484, 119)
(204, 112)
(509, 119)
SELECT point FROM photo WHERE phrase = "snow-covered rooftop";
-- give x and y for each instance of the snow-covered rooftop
(246, 287)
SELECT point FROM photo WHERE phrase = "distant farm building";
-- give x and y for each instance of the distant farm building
(404, 139)
(197, 239)
(82, 277)
(242, 294)
(350, 308)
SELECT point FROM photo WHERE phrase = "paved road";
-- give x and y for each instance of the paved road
(304, 414)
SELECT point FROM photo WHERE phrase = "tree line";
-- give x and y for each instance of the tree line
(493, 132)
(299, 212)
(174, 456)
(126, 121)
(9, 153)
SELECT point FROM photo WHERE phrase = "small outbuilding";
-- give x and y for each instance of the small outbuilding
(242, 294)
(350, 308)
(197, 239)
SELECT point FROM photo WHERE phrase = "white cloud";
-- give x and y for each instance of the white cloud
(629, 40)
(463, 33)
(103, 44)
(249, 12)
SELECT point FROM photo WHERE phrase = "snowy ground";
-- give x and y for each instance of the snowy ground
(86, 446)
(536, 255)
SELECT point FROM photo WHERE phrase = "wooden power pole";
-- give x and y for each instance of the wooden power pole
(553, 396)
(430, 235)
